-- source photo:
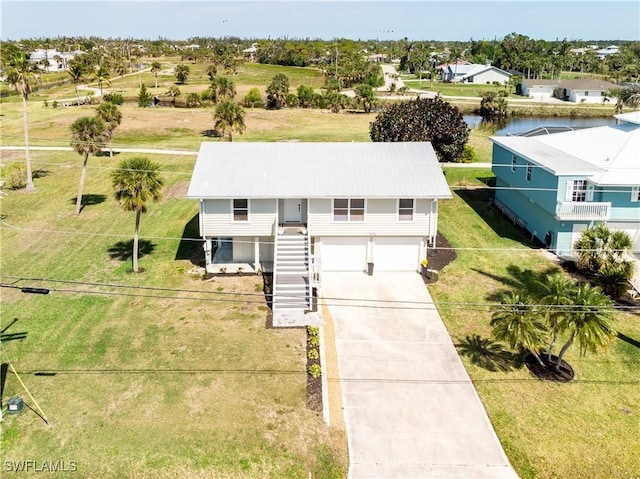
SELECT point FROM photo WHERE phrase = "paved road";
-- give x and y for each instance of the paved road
(155, 151)
(410, 408)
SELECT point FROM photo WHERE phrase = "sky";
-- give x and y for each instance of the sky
(324, 19)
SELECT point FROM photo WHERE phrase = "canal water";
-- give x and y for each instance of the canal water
(522, 124)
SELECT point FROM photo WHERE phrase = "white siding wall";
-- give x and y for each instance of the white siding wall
(216, 218)
(380, 219)
(489, 76)
(577, 96)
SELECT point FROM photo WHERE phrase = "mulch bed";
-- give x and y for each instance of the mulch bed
(440, 256)
(314, 385)
(548, 371)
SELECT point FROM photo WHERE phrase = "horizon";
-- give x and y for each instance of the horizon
(453, 21)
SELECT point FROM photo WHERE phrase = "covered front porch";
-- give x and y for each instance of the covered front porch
(238, 255)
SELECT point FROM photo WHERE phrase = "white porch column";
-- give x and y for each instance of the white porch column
(207, 251)
(256, 253)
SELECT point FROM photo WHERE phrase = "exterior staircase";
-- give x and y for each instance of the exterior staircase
(291, 288)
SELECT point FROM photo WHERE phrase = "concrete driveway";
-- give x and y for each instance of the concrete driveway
(410, 408)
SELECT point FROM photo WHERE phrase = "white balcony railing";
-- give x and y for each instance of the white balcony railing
(583, 211)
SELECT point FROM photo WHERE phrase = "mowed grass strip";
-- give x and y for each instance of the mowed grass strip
(585, 429)
(142, 383)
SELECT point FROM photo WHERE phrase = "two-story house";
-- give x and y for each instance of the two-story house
(557, 185)
(298, 209)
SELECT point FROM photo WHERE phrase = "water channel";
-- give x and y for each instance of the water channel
(522, 124)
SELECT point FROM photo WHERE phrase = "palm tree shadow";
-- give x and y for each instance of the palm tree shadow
(518, 278)
(89, 200)
(210, 133)
(123, 250)
(488, 354)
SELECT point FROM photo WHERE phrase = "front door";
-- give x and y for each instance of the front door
(292, 210)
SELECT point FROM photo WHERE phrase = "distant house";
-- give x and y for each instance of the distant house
(483, 74)
(557, 185)
(473, 73)
(298, 209)
(379, 58)
(51, 60)
(250, 53)
(607, 51)
(588, 90)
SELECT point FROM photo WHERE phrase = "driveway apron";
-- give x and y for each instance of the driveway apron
(410, 408)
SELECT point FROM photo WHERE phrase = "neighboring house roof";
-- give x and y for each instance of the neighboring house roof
(445, 65)
(478, 69)
(317, 170)
(607, 155)
(591, 84)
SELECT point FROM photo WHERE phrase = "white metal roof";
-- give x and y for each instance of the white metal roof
(317, 170)
(607, 155)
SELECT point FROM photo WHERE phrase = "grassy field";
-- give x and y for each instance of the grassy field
(585, 429)
(137, 386)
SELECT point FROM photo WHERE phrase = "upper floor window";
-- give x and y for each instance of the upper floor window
(529, 172)
(577, 190)
(405, 209)
(635, 194)
(513, 163)
(241, 210)
(348, 209)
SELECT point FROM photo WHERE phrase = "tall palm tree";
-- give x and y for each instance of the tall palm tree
(557, 296)
(102, 77)
(88, 137)
(76, 72)
(112, 117)
(229, 116)
(136, 182)
(519, 322)
(589, 322)
(155, 68)
(20, 73)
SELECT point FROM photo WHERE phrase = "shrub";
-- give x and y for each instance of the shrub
(55, 104)
(614, 280)
(193, 100)
(115, 98)
(468, 154)
(253, 98)
(314, 371)
(313, 354)
(16, 176)
(313, 341)
(313, 331)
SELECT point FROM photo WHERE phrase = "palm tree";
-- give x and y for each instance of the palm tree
(366, 96)
(112, 117)
(600, 248)
(229, 116)
(588, 322)
(88, 137)
(76, 71)
(557, 296)
(19, 73)
(102, 76)
(629, 96)
(518, 322)
(212, 71)
(135, 183)
(155, 68)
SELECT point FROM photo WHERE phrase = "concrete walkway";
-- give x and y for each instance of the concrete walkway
(410, 408)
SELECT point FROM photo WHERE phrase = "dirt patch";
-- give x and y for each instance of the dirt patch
(178, 190)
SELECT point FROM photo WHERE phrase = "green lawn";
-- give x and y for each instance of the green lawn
(137, 386)
(585, 429)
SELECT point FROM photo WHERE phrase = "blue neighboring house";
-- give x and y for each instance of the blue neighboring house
(557, 185)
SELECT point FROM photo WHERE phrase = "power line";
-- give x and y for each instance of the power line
(326, 300)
